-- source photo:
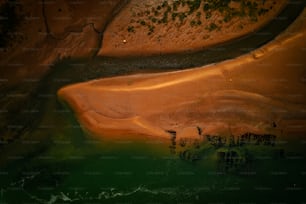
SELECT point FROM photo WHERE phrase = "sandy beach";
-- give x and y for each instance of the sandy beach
(261, 92)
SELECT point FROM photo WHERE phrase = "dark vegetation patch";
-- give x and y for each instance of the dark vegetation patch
(231, 153)
(179, 10)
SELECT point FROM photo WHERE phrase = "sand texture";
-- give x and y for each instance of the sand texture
(261, 92)
(147, 27)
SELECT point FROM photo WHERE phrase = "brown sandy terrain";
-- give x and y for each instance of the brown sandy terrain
(262, 92)
(48, 31)
(147, 27)
(34, 36)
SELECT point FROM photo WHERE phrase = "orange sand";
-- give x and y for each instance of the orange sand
(246, 94)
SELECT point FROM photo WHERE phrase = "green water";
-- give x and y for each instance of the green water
(62, 164)
(54, 161)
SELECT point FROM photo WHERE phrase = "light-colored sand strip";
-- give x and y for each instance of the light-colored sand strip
(246, 94)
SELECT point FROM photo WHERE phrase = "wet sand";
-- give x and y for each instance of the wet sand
(261, 92)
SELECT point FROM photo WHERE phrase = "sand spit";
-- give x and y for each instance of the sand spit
(262, 92)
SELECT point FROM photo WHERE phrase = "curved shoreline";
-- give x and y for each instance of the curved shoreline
(73, 70)
(230, 96)
(190, 59)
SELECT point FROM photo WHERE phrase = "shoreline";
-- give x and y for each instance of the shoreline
(246, 100)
